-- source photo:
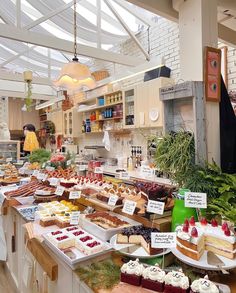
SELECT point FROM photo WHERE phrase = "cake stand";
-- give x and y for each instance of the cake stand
(139, 253)
(202, 262)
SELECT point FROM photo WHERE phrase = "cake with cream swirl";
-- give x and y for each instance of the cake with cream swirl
(203, 285)
(176, 282)
(153, 278)
(131, 272)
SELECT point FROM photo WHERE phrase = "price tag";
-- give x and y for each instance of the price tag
(195, 200)
(129, 207)
(8, 160)
(74, 218)
(112, 200)
(68, 163)
(75, 194)
(54, 181)
(20, 162)
(50, 169)
(40, 176)
(45, 177)
(163, 240)
(98, 170)
(124, 176)
(35, 173)
(156, 207)
(147, 171)
(2, 173)
(60, 190)
(43, 165)
(81, 167)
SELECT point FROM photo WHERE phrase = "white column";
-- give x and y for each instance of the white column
(198, 28)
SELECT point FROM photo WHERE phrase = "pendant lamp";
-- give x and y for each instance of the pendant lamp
(74, 75)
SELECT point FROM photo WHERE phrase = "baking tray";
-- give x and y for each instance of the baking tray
(80, 257)
(105, 234)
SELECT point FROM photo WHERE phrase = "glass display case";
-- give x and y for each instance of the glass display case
(9, 149)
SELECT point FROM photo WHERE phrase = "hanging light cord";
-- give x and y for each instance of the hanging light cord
(75, 34)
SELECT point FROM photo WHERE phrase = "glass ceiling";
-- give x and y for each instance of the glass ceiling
(18, 56)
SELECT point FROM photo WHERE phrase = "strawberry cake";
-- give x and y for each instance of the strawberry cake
(194, 238)
(61, 240)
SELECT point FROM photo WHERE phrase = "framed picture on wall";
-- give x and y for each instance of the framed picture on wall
(212, 74)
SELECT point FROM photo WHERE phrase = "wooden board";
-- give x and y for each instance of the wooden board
(45, 260)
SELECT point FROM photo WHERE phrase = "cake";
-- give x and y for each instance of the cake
(138, 235)
(63, 220)
(153, 278)
(88, 244)
(62, 240)
(203, 285)
(176, 282)
(105, 220)
(194, 238)
(45, 218)
(131, 272)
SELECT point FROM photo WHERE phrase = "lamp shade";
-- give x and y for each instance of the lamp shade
(74, 76)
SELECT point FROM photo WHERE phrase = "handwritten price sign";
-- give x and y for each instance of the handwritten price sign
(74, 218)
(156, 207)
(129, 207)
(163, 240)
(195, 200)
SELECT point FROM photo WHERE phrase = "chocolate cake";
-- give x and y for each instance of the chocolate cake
(153, 278)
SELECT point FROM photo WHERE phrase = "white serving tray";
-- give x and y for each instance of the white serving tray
(80, 257)
(103, 204)
(105, 234)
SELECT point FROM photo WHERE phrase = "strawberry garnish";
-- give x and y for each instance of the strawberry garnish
(204, 221)
(185, 228)
(227, 231)
(194, 232)
(214, 223)
(192, 221)
(186, 222)
(224, 226)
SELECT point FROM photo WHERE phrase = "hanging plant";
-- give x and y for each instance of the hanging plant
(28, 98)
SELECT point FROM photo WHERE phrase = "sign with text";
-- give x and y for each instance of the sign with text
(68, 163)
(54, 181)
(8, 160)
(50, 169)
(20, 162)
(163, 240)
(195, 200)
(124, 175)
(129, 207)
(43, 165)
(74, 218)
(75, 194)
(40, 176)
(156, 207)
(147, 171)
(60, 190)
(82, 167)
(35, 173)
(98, 170)
(112, 200)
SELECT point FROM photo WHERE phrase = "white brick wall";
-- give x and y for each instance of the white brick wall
(231, 55)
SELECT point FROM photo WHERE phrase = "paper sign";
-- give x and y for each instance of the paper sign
(50, 169)
(2, 173)
(35, 173)
(20, 162)
(68, 163)
(147, 171)
(129, 207)
(45, 177)
(43, 165)
(98, 170)
(163, 240)
(74, 218)
(54, 181)
(8, 160)
(124, 175)
(60, 190)
(81, 167)
(156, 207)
(40, 176)
(112, 200)
(74, 194)
(195, 200)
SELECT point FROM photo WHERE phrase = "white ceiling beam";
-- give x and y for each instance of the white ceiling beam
(49, 15)
(163, 8)
(98, 15)
(38, 39)
(16, 56)
(132, 35)
(18, 13)
(227, 35)
(131, 10)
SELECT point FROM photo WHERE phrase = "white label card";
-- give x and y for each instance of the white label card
(43, 165)
(98, 170)
(75, 194)
(54, 181)
(68, 163)
(124, 175)
(20, 162)
(60, 190)
(35, 173)
(156, 207)
(163, 240)
(147, 171)
(2, 173)
(8, 160)
(40, 176)
(50, 169)
(112, 200)
(129, 207)
(195, 200)
(74, 218)
(81, 167)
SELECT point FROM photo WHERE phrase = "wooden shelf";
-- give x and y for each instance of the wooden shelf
(121, 131)
(99, 107)
(107, 119)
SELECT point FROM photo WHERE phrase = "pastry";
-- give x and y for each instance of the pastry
(131, 272)
(153, 278)
(203, 285)
(176, 282)
(106, 221)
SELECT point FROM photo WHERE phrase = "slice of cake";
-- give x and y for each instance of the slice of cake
(203, 285)
(105, 220)
(62, 241)
(153, 278)
(92, 247)
(63, 221)
(176, 282)
(46, 219)
(131, 272)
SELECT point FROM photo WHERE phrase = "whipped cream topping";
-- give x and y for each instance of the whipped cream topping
(177, 279)
(154, 273)
(133, 267)
(204, 285)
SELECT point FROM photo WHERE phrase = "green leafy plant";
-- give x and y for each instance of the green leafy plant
(40, 155)
(175, 155)
(28, 98)
(100, 275)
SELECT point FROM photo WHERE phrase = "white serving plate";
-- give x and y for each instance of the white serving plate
(105, 234)
(139, 253)
(202, 262)
(79, 255)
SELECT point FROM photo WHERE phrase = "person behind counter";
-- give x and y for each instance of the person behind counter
(31, 141)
